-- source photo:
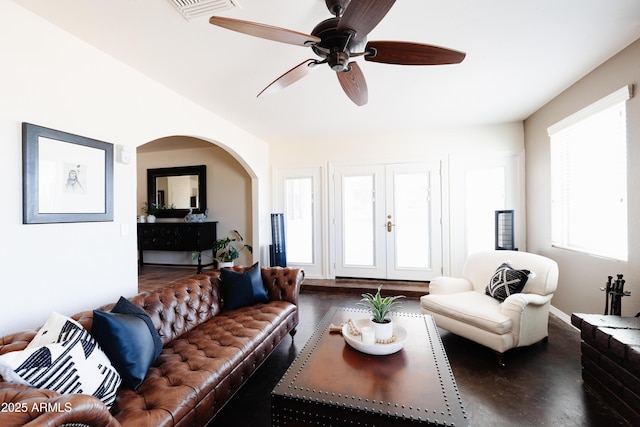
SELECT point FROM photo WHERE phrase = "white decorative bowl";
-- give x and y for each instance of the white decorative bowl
(374, 349)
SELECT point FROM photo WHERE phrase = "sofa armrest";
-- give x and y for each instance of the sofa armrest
(26, 406)
(17, 341)
(529, 314)
(282, 283)
(517, 303)
(449, 285)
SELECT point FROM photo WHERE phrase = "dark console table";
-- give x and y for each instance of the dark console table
(176, 236)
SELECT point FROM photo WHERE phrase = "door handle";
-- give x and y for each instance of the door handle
(389, 225)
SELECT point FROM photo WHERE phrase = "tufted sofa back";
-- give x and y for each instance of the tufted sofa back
(183, 304)
(280, 283)
(186, 303)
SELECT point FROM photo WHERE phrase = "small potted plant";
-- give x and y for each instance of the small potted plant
(151, 210)
(380, 308)
(227, 250)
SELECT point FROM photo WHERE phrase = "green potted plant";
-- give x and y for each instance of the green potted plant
(226, 251)
(151, 210)
(380, 308)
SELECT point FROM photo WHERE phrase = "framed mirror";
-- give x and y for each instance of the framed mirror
(179, 189)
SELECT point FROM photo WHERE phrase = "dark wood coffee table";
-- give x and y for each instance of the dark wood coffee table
(332, 384)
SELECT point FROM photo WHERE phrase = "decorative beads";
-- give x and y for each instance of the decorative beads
(353, 329)
(334, 328)
(387, 341)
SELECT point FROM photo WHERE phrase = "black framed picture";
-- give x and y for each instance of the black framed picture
(65, 177)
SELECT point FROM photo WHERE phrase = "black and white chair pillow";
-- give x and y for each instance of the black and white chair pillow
(506, 281)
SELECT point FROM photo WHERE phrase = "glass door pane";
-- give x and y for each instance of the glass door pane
(412, 219)
(299, 219)
(358, 220)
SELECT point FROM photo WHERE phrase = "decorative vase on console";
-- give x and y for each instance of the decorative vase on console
(151, 210)
(191, 217)
(380, 309)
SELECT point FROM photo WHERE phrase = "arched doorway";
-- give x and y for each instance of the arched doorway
(229, 188)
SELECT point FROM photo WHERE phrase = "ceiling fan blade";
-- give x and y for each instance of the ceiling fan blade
(265, 31)
(290, 77)
(354, 84)
(405, 53)
(362, 16)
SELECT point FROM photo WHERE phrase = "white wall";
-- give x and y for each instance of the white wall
(400, 147)
(581, 276)
(52, 79)
(457, 148)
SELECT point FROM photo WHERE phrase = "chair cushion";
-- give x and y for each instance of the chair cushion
(506, 281)
(471, 307)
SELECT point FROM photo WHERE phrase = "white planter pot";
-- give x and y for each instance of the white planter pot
(382, 331)
(222, 264)
(151, 218)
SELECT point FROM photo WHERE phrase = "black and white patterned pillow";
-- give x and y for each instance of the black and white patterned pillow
(506, 281)
(64, 357)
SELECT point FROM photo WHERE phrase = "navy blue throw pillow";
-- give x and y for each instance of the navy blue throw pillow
(240, 289)
(129, 339)
(124, 306)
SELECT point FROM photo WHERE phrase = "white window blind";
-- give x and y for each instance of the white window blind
(589, 178)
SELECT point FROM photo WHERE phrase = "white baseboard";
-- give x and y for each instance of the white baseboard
(561, 315)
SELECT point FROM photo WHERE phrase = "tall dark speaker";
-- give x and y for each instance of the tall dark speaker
(278, 249)
(505, 238)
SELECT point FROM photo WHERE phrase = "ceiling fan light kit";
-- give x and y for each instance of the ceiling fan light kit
(337, 40)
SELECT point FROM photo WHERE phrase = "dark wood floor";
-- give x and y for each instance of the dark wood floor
(541, 384)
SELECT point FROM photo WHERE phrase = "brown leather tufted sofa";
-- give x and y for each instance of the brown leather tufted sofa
(207, 355)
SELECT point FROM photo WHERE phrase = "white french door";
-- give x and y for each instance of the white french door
(387, 221)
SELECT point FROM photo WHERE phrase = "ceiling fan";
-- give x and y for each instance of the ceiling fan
(339, 39)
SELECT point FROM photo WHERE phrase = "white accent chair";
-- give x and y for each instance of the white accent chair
(460, 305)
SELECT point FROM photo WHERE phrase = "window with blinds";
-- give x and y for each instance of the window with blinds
(589, 178)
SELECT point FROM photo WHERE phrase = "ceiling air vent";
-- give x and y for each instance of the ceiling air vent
(194, 8)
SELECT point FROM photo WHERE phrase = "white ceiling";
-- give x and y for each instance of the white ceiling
(520, 54)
